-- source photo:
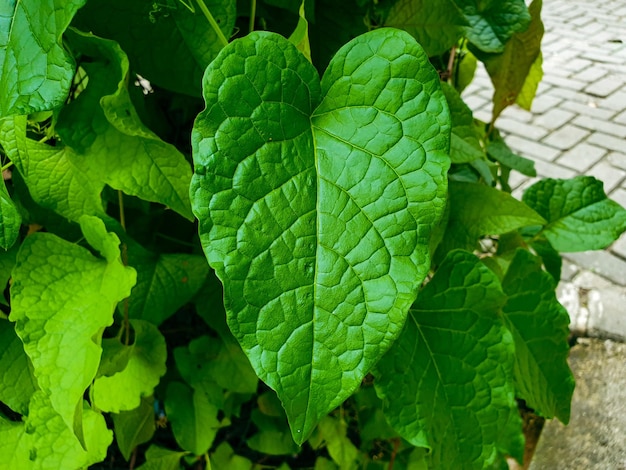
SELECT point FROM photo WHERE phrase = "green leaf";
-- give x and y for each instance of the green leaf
(165, 282)
(552, 261)
(465, 143)
(57, 178)
(62, 298)
(224, 458)
(14, 446)
(579, 214)
(437, 26)
(166, 42)
(316, 205)
(10, 219)
(17, 383)
(103, 127)
(341, 449)
(500, 151)
(214, 360)
(123, 390)
(300, 36)
(447, 382)
(35, 71)
(508, 70)
(53, 445)
(539, 326)
(493, 22)
(7, 261)
(477, 210)
(273, 437)
(134, 427)
(193, 417)
(158, 458)
(529, 89)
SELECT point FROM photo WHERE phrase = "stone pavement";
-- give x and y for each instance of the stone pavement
(577, 126)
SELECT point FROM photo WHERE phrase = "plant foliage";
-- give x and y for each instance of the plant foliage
(198, 195)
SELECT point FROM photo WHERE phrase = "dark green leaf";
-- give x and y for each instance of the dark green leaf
(580, 216)
(35, 71)
(552, 261)
(508, 70)
(539, 326)
(224, 458)
(17, 383)
(493, 22)
(193, 417)
(316, 205)
(158, 458)
(500, 151)
(465, 143)
(134, 427)
(477, 210)
(166, 42)
(447, 382)
(10, 219)
(437, 25)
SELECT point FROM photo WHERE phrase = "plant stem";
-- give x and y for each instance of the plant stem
(126, 323)
(213, 23)
(6, 167)
(252, 15)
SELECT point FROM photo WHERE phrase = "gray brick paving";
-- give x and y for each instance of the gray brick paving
(577, 126)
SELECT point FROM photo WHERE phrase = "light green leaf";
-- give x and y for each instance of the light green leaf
(478, 210)
(539, 326)
(500, 151)
(57, 178)
(14, 446)
(208, 359)
(161, 37)
(134, 427)
(341, 449)
(437, 26)
(62, 298)
(17, 383)
(508, 70)
(102, 126)
(493, 22)
(193, 417)
(158, 458)
(465, 143)
(123, 390)
(53, 445)
(579, 214)
(324, 464)
(165, 282)
(529, 89)
(300, 36)
(35, 71)
(10, 219)
(447, 382)
(316, 205)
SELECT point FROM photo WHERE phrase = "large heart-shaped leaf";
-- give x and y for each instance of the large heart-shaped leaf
(316, 204)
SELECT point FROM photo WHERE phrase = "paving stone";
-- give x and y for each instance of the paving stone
(553, 119)
(569, 83)
(603, 263)
(620, 118)
(609, 175)
(581, 157)
(544, 103)
(619, 196)
(618, 159)
(619, 247)
(528, 148)
(566, 137)
(616, 101)
(577, 65)
(590, 74)
(588, 109)
(573, 95)
(604, 87)
(607, 141)
(475, 102)
(550, 170)
(594, 124)
(520, 128)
